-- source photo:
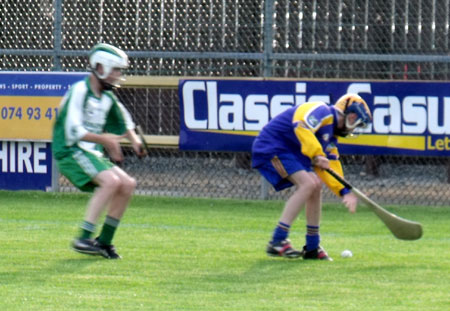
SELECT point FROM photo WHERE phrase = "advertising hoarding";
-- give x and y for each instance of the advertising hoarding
(410, 118)
(29, 104)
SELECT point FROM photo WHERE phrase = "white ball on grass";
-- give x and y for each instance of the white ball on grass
(346, 254)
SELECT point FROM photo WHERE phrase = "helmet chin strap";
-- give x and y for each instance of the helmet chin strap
(105, 85)
(342, 132)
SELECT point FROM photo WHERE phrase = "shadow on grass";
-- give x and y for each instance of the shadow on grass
(272, 269)
(71, 265)
(260, 272)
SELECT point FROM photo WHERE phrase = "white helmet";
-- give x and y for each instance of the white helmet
(109, 57)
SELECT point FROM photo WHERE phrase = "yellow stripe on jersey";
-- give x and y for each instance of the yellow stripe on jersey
(328, 120)
(303, 111)
(329, 180)
(334, 151)
(310, 145)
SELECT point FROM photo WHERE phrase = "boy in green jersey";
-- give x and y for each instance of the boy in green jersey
(91, 119)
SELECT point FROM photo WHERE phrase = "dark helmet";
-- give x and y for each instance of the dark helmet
(353, 103)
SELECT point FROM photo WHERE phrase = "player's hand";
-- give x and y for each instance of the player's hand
(139, 149)
(321, 162)
(111, 143)
(136, 143)
(350, 201)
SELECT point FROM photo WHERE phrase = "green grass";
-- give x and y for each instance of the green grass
(201, 254)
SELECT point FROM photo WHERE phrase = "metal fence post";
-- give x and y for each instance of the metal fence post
(268, 68)
(55, 177)
(268, 38)
(57, 36)
(57, 67)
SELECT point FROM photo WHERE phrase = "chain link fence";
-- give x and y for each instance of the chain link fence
(342, 39)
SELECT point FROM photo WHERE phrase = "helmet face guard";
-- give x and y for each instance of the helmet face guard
(353, 104)
(110, 58)
(363, 118)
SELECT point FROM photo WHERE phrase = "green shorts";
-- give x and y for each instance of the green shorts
(81, 167)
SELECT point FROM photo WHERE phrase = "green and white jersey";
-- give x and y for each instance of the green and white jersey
(81, 112)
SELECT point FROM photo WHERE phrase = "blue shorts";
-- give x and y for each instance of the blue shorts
(281, 166)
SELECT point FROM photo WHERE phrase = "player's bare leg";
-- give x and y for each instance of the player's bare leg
(117, 206)
(313, 211)
(109, 183)
(306, 185)
(121, 197)
(115, 189)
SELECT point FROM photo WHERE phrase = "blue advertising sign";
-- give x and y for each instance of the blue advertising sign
(29, 103)
(410, 118)
(25, 165)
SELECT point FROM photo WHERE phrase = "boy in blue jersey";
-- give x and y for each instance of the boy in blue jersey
(91, 119)
(293, 149)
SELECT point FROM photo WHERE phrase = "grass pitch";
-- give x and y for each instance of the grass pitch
(205, 254)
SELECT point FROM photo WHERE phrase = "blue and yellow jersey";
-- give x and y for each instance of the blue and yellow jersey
(306, 131)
